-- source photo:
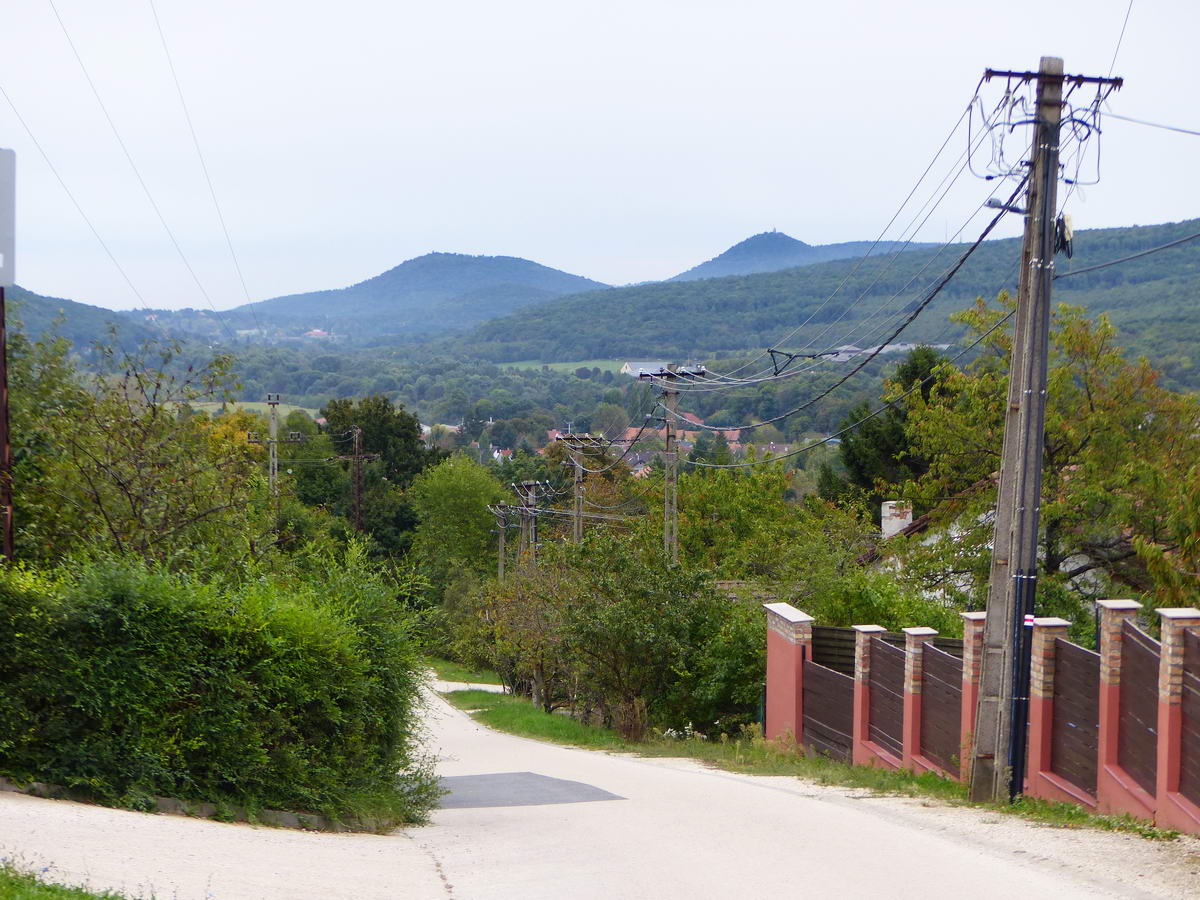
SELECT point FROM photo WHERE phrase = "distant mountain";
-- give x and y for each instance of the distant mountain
(77, 322)
(773, 251)
(437, 292)
(1153, 301)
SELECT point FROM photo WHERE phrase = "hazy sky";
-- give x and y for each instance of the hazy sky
(624, 141)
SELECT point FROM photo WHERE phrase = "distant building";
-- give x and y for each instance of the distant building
(634, 368)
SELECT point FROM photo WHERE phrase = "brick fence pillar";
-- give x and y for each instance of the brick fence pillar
(861, 754)
(1116, 792)
(789, 643)
(1174, 810)
(1040, 781)
(915, 640)
(973, 626)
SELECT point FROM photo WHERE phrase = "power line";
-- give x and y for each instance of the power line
(1113, 115)
(908, 321)
(1124, 259)
(1120, 38)
(203, 164)
(890, 404)
(137, 172)
(71, 196)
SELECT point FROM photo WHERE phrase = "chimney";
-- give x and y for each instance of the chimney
(896, 516)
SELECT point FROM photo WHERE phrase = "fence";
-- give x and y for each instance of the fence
(1116, 731)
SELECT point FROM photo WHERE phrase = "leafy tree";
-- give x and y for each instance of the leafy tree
(610, 420)
(454, 526)
(387, 430)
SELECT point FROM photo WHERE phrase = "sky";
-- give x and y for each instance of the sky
(623, 141)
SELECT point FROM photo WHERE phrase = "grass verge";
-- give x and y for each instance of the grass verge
(448, 670)
(16, 885)
(752, 755)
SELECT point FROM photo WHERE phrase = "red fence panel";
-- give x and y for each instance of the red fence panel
(1137, 740)
(886, 722)
(1189, 760)
(828, 711)
(941, 708)
(1075, 730)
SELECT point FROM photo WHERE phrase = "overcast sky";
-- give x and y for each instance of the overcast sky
(624, 141)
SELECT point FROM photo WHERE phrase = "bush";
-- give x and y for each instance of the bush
(124, 682)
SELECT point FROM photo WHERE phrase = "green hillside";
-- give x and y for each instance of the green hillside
(433, 293)
(77, 322)
(1152, 300)
(772, 251)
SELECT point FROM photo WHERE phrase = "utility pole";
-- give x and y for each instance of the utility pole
(670, 395)
(577, 445)
(501, 511)
(356, 459)
(8, 239)
(1000, 740)
(529, 492)
(294, 437)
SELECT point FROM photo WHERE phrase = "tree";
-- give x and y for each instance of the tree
(454, 527)
(1117, 452)
(610, 420)
(387, 430)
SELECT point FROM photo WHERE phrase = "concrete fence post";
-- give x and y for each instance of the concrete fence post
(1115, 791)
(915, 640)
(1040, 781)
(973, 627)
(789, 643)
(861, 754)
(1174, 810)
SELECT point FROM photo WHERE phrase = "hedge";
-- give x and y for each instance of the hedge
(124, 682)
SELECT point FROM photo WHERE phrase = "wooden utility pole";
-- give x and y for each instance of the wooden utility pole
(670, 402)
(356, 459)
(8, 246)
(997, 771)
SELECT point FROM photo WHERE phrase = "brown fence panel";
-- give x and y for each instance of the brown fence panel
(1075, 732)
(886, 724)
(1137, 740)
(833, 648)
(953, 646)
(941, 708)
(1189, 768)
(828, 711)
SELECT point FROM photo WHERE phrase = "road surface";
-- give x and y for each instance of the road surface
(532, 820)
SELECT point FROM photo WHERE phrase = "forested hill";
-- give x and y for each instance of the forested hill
(772, 251)
(79, 323)
(431, 293)
(1153, 300)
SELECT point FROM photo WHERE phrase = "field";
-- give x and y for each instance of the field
(256, 406)
(604, 365)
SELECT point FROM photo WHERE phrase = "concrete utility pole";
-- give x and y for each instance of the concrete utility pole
(529, 492)
(999, 756)
(669, 376)
(577, 445)
(501, 511)
(294, 437)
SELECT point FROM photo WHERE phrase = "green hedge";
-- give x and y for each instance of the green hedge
(125, 682)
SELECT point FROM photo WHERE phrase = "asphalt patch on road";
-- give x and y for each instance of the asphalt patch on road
(516, 789)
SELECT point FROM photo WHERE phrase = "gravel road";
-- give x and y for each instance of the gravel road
(604, 826)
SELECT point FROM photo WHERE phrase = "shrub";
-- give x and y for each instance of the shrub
(124, 682)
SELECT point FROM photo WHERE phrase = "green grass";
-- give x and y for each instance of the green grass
(752, 755)
(449, 670)
(15, 885)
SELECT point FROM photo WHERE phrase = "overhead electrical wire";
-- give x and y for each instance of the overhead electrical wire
(921, 306)
(137, 172)
(212, 191)
(1132, 256)
(1191, 131)
(71, 196)
(766, 460)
